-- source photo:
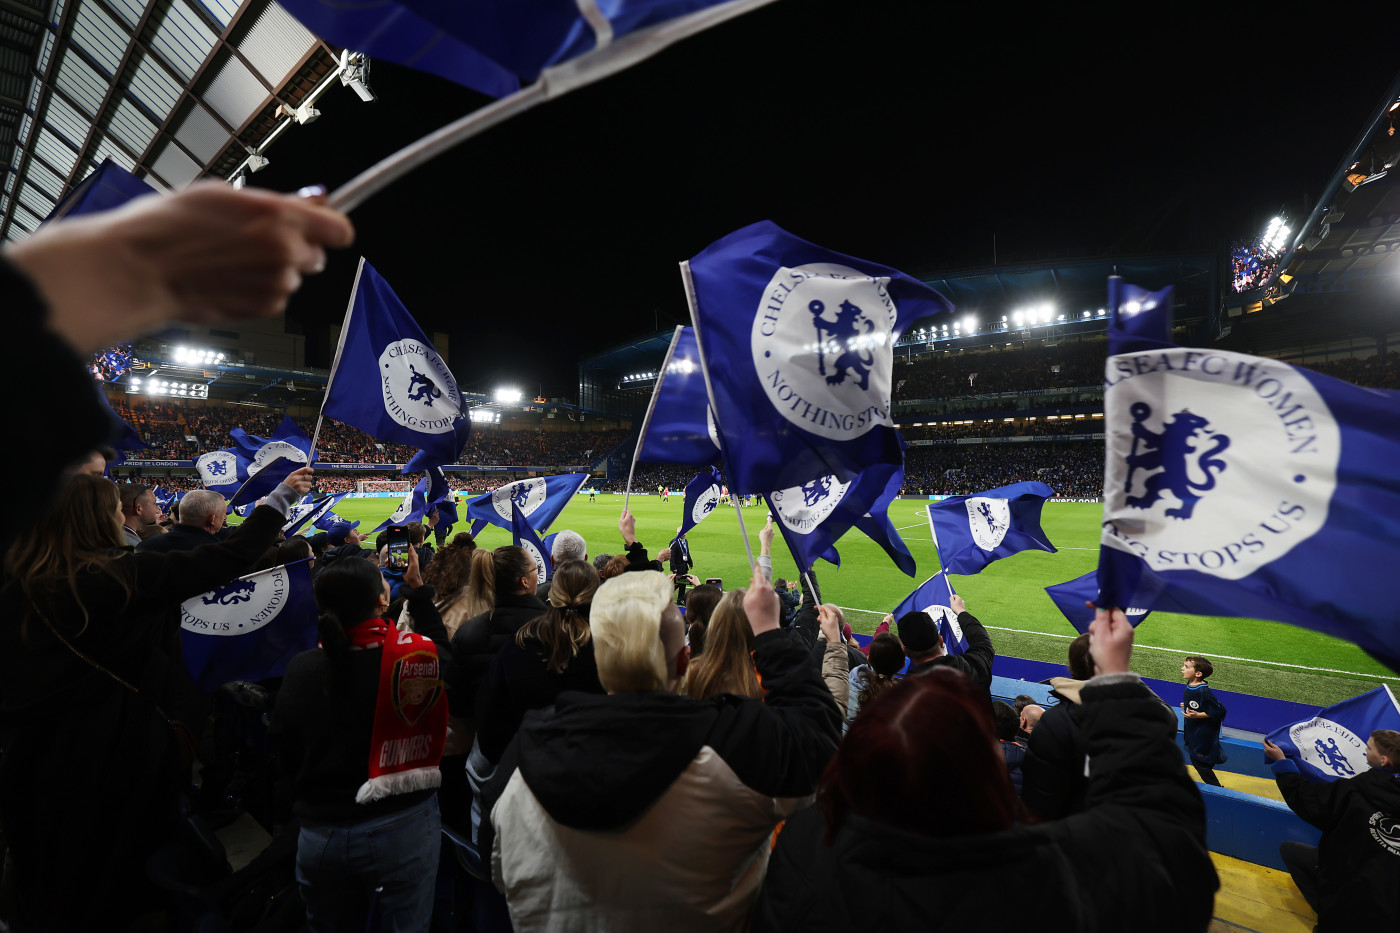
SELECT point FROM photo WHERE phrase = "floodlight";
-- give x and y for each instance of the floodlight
(508, 395)
(257, 162)
(970, 322)
(305, 114)
(354, 73)
(1018, 317)
(1088, 314)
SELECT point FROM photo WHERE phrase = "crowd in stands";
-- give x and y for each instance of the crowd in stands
(1072, 469)
(952, 375)
(111, 363)
(1374, 372)
(999, 427)
(1251, 264)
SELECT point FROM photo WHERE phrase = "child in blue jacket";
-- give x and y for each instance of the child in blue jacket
(1203, 714)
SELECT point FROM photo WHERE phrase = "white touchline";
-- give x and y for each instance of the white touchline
(1226, 657)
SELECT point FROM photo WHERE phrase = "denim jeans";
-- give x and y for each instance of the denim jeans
(339, 868)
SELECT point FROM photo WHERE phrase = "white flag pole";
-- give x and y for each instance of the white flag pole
(651, 407)
(929, 510)
(710, 394)
(602, 62)
(335, 363)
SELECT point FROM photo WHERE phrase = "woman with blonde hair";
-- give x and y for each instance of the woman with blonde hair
(550, 654)
(464, 578)
(727, 664)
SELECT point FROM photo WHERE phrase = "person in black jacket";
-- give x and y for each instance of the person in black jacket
(202, 514)
(1053, 780)
(96, 702)
(1352, 878)
(919, 635)
(355, 837)
(918, 800)
(549, 654)
(1202, 714)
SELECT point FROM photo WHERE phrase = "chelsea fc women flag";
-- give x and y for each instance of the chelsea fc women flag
(972, 531)
(1332, 744)
(388, 381)
(813, 516)
(932, 597)
(797, 343)
(540, 499)
(1241, 486)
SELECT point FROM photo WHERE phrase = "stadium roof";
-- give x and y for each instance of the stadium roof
(172, 90)
(642, 353)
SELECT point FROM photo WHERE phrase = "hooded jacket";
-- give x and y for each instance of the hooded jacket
(1358, 858)
(651, 811)
(1136, 859)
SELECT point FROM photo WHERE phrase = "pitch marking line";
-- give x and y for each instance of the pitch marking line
(1022, 631)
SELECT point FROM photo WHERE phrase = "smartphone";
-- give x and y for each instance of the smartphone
(397, 541)
(715, 581)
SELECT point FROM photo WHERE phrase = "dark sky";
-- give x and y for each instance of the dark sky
(886, 131)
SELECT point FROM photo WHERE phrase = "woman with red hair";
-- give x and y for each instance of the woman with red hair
(917, 826)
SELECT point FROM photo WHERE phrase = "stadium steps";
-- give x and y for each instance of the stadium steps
(1244, 783)
(1255, 899)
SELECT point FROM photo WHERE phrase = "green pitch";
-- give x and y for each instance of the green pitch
(1277, 660)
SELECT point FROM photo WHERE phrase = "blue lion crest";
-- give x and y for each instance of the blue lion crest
(708, 505)
(1170, 453)
(218, 468)
(843, 332)
(421, 388)
(817, 490)
(1332, 756)
(520, 495)
(239, 591)
(985, 510)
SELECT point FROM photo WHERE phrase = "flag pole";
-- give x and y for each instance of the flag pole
(602, 62)
(710, 394)
(928, 509)
(335, 363)
(646, 419)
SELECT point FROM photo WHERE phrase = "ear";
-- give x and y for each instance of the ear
(682, 661)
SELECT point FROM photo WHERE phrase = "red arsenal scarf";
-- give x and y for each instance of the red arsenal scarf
(410, 712)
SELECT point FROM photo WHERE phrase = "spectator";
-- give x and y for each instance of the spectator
(727, 665)
(370, 827)
(1055, 785)
(1352, 877)
(88, 624)
(416, 536)
(138, 510)
(1202, 715)
(1013, 750)
(550, 654)
(1021, 702)
(463, 589)
(663, 818)
(95, 463)
(344, 543)
(869, 680)
(918, 799)
(700, 605)
(918, 633)
(201, 519)
(601, 561)
(568, 545)
(1030, 717)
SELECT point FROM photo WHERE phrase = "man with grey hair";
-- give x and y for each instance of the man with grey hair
(663, 817)
(201, 519)
(568, 545)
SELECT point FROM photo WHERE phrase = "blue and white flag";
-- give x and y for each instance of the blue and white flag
(681, 427)
(109, 186)
(1332, 745)
(523, 534)
(266, 462)
(541, 499)
(439, 497)
(414, 398)
(492, 46)
(701, 497)
(412, 509)
(813, 517)
(250, 628)
(1073, 598)
(932, 597)
(972, 531)
(310, 510)
(328, 520)
(1241, 486)
(222, 471)
(798, 343)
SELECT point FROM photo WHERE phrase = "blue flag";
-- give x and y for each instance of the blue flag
(701, 497)
(492, 46)
(326, 521)
(972, 531)
(412, 509)
(541, 499)
(1073, 598)
(813, 517)
(523, 534)
(439, 498)
(310, 510)
(681, 428)
(109, 186)
(222, 471)
(1227, 491)
(932, 597)
(120, 434)
(250, 628)
(798, 344)
(266, 462)
(1332, 745)
(414, 398)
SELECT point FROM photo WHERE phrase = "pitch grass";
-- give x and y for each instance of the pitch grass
(1008, 596)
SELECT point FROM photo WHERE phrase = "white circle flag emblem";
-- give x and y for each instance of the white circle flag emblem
(527, 493)
(704, 504)
(1217, 462)
(1329, 747)
(803, 508)
(988, 520)
(945, 614)
(823, 347)
(237, 608)
(418, 388)
(541, 569)
(271, 451)
(218, 468)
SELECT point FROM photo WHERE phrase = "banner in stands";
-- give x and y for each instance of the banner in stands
(1032, 439)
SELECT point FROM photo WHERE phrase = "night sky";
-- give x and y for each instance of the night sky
(885, 131)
